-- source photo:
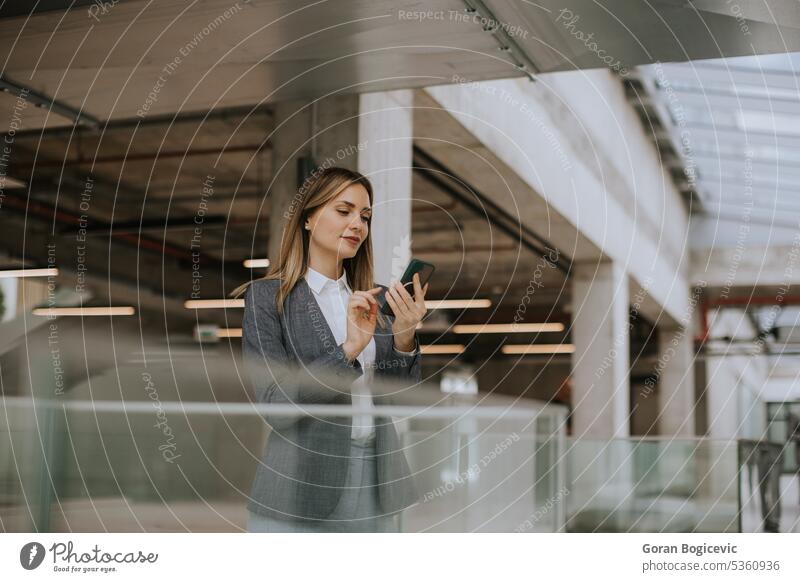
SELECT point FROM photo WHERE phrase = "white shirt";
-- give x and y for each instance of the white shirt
(333, 297)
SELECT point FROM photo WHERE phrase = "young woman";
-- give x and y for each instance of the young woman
(313, 326)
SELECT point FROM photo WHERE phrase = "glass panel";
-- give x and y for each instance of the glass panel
(651, 484)
(478, 464)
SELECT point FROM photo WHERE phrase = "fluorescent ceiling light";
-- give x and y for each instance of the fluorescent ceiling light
(229, 332)
(765, 92)
(213, 303)
(83, 311)
(29, 273)
(442, 348)
(740, 89)
(763, 122)
(508, 327)
(538, 349)
(9, 183)
(256, 263)
(437, 304)
(458, 303)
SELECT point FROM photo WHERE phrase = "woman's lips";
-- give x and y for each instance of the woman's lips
(355, 241)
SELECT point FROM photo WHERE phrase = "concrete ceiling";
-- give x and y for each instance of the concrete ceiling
(213, 54)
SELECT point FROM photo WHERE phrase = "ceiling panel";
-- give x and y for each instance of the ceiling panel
(221, 53)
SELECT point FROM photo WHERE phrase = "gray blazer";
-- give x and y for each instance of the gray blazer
(305, 462)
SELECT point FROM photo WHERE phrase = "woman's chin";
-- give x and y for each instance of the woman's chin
(347, 251)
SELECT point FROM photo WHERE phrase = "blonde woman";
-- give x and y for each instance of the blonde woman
(313, 316)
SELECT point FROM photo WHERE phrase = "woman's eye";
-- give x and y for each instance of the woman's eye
(365, 218)
(343, 212)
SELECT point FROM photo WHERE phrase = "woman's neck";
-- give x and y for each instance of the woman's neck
(330, 268)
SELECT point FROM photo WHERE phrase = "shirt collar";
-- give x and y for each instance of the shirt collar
(317, 281)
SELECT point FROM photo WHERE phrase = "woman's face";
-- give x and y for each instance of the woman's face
(340, 227)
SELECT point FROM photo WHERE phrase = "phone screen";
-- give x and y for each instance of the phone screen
(425, 271)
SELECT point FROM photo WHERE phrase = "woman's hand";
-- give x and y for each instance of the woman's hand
(362, 313)
(408, 312)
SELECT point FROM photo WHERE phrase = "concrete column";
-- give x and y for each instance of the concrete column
(371, 133)
(601, 389)
(675, 369)
(601, 361)
(291, 139)
(386, 132)
(722, 394)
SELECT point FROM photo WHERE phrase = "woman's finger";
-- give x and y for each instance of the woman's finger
(357, 302)
(404, 296)
(399, 313)
(417, 287)
(366, 296)
(419, 298)
(392, 301)
(364, 314)
(400, 308)
(403, 289)
(355, 298)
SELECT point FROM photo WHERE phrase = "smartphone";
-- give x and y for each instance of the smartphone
(425, 271)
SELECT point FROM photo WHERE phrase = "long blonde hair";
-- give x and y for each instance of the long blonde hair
(319, 189)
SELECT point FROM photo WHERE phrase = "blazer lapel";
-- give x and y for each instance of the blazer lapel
(306, 314)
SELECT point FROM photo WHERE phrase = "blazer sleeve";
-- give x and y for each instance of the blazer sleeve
(275, 376)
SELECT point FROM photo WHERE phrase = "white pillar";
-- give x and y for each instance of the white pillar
(371, 133)
(601, 387)
(675, 369)
(600, 362)
(722, 395)
(290, 140)
(386, 132)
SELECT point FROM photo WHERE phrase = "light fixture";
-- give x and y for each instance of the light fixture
(458, 303)
(83, 311)
(213, 303)
(9, 183)
(434, 304)
(767, 122)
(442, 348)
(508, 327)
(52, 272)
(538, 349)
(229, 332)
(256, 263)
(211, 333)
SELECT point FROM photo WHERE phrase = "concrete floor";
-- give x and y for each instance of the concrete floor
(119, 515)
(790, 508)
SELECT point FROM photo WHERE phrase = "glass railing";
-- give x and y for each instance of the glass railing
(477, 476)
(662, 484)
(68, 464)
(130, 451)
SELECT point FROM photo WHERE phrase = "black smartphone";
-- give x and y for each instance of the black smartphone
(425, 271)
